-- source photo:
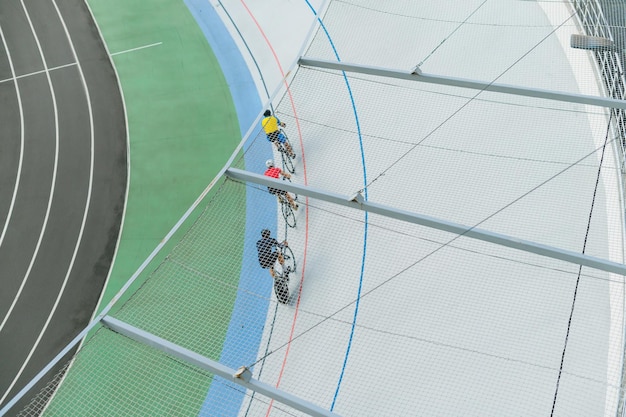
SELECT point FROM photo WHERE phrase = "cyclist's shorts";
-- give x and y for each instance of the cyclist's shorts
(268, 260)
(276, 191)
(276, 136)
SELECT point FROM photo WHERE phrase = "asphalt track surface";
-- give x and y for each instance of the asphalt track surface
(63, 176)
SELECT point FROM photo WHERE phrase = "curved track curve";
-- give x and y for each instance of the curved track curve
(63, 170)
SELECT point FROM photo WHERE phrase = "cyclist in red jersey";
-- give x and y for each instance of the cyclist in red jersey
(275, 172)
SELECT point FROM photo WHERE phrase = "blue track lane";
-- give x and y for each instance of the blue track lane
(249, 314)
(250, 311)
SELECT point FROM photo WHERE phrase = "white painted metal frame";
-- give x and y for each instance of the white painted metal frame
(358, 202)
(241, 376)
(416, 75)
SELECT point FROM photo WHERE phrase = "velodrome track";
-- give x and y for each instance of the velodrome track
(63, 170)
(285, 324)
(279, 378)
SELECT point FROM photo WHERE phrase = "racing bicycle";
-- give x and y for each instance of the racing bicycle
(285, 207)
(281, 277)
(286, 158)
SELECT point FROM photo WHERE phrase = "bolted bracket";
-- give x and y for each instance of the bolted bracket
(358, 198)
(417, 70)
(243, 373)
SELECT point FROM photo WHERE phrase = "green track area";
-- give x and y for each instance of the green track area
(182, 127)
(181, 120)
(187, 300)
(116, 358)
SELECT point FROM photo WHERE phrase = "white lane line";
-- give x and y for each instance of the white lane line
(14, 77)
(85, 211)
(106, 283)
(54, 175)
(136, 49)
(17, 77)
(48, 70)
(21, 158)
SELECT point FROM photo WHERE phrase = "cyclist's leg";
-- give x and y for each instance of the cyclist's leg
(272, 262)
(285, 143)
(289, 150)
(292, 202)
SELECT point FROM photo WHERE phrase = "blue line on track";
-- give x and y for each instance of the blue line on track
(358, 126)
(256, 64)
(245, 330)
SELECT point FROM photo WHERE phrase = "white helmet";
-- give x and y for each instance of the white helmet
(269, 163)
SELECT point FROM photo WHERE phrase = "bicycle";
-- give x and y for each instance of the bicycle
(288, 214)
(281, 279)
(295, 196)
(286, 157)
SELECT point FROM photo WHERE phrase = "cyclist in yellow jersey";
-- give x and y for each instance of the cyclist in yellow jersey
(271, 126)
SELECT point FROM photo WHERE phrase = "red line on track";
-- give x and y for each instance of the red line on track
(306, 231)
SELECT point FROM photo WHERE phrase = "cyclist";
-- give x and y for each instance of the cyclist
(274, 172)
(267, 253)
(271, 126)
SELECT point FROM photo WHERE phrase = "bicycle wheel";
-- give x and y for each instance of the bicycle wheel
(288, 215)
(281, 289)
(286, 157)
(287, 161)
(290, 260)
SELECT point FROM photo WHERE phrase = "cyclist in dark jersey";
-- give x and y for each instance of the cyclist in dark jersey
(267, 253)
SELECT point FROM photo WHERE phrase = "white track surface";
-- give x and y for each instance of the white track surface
(473, 329)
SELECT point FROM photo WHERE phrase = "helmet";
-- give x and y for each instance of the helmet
(267, 113)
(265, 233)
(269, 163)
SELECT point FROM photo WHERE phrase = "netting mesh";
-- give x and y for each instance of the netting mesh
(507, 40)
(420, 333)
(104, 386)
(198, 279)
(422, 154)
(101, 375)
(387, 317)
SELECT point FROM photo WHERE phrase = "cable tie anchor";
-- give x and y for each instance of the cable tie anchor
(243, 373)
(358, 198)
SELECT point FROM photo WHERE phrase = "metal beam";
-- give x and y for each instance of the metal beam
(241, 376)
(357, 202)
(417, 75)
